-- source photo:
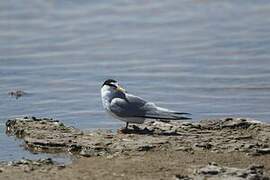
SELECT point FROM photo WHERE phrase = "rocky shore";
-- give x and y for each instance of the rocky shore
(233, 148)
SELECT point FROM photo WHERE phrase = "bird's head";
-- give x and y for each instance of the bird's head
(113, 86)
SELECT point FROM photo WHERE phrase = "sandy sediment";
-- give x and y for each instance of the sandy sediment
(216, 149)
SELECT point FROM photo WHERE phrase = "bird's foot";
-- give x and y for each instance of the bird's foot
(124, 130)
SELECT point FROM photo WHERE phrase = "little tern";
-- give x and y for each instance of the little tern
(133, 109)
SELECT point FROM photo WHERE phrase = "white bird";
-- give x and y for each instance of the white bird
(132, 109)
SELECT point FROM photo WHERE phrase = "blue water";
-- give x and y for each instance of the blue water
(209, 58)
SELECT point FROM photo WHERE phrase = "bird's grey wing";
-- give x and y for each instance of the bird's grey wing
(130, 106)
(149, 107)
(135, 100)
(133, 106)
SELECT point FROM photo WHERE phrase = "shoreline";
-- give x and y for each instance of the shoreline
(222, 148)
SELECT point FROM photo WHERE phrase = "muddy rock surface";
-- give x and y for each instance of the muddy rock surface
(224, 135)
(153, 150)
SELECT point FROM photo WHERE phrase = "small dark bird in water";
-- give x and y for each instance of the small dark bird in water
(17, 94)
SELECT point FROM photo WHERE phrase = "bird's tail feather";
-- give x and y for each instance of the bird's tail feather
(182, 113)
(164, 118)
(166, 115)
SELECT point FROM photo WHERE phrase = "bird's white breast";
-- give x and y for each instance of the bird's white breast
(106, 96)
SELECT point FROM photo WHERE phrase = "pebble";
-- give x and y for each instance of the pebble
(210, 170)
(263, 151)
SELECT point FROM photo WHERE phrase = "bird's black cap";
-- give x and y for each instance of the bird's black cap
(109, 82)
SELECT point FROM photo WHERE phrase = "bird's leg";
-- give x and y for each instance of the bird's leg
(126, 125)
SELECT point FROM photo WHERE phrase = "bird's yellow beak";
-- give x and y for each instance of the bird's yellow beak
(119, 88)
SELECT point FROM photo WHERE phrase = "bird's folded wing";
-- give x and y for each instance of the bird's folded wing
(133, 106)
(124, 108)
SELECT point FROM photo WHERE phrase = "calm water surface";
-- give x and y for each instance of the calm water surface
(209, 58)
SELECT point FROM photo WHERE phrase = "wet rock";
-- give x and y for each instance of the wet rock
(27, 165)
(39, 162)
(47, 161)
(224, 135)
